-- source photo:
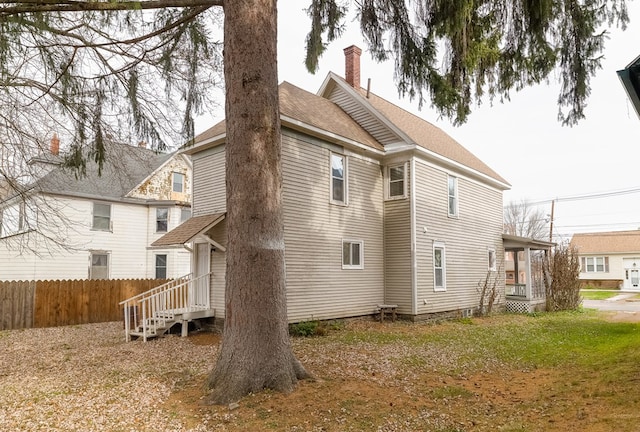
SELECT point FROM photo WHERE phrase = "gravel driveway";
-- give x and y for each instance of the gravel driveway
(86, 378)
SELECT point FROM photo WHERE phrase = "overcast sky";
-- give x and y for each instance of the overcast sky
(521, 139)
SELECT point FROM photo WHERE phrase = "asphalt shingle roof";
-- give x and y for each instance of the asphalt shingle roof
(125, 168)
(607, 242)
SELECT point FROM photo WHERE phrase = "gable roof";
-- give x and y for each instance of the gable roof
(413, 129)
(301, 109)
(125, 168)
(607, 242)
(364, 120)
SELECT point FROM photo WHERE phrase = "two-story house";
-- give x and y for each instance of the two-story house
(98, 225)
(380, 207)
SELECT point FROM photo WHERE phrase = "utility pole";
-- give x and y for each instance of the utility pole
(551, 224)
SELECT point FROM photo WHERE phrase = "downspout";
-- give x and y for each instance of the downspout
(414, 255)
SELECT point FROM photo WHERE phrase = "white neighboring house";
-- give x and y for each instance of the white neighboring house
(609, 259)
(97, 226)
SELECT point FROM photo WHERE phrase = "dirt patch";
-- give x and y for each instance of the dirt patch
(621, 316)
(417, 397)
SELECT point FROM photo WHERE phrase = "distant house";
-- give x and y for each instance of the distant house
(609, 259)
(97, 226)
(380, 208)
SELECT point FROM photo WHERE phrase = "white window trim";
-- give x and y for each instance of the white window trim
(155, 265)
(349, 266)
(584, 264)
(158, 219)
(387, 182)
(93, 209)
(456, 197)
(100, 252)
(173, 181)
(345, 179)
(494, 267)
(439, 245)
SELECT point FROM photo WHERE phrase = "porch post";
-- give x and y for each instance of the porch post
(527, 264)
(516, 276)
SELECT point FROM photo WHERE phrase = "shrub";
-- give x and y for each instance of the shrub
(562, 279)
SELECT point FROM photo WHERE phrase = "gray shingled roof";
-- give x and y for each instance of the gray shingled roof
(125, 168)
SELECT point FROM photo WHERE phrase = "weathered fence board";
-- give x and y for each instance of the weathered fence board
(25, 304)
(16, 304)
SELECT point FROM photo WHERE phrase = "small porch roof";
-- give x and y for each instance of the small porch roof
(189, 230)
(512, 242)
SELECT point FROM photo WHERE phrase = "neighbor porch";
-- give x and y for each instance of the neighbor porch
(524, 277)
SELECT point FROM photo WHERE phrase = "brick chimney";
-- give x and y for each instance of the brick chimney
(55, 145)
(352, 66)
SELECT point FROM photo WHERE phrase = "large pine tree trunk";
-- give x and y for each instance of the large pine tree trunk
(256, 351)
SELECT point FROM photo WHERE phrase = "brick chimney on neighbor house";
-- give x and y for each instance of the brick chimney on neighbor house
(352, 66)
(55, 145)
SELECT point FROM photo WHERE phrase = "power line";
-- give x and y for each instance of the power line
(595, 195)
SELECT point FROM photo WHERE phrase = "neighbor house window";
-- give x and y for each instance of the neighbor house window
(338, 178)
(439, 268)
(185, 213)
(162, 219)
(161, 266)
(453, 195)
(352, 254)
(594, 264)
(178, 182)
(16, 219)
(99, 265)
(101, 216)
(492, 260)
(397, 181)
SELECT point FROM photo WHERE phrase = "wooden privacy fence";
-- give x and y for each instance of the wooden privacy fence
(26, 304)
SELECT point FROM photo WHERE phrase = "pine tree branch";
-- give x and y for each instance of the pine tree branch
(13, 7)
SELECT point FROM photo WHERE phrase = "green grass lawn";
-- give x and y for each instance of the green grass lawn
(598, 295)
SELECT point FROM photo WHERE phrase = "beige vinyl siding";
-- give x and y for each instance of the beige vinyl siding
(317, 286)
(209, 190)
(467, 239)
(397, 252)
(364, 118)
(218, 268)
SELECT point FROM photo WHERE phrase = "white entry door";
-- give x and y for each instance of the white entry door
(634, 277)
(200, 295)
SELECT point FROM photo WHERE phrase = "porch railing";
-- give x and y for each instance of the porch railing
(517, 290)
(154, 309)
(520, 290)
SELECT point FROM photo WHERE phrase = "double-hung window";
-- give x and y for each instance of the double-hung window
(99, 265)
(439, 267)
(178, 182)
(185, 213)
(594, 264)
(492, 260)
(101, 216)
(338, 179)
(162, 219)
(161, 266)
(452, 187)
(397, 181)
(352, 254)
